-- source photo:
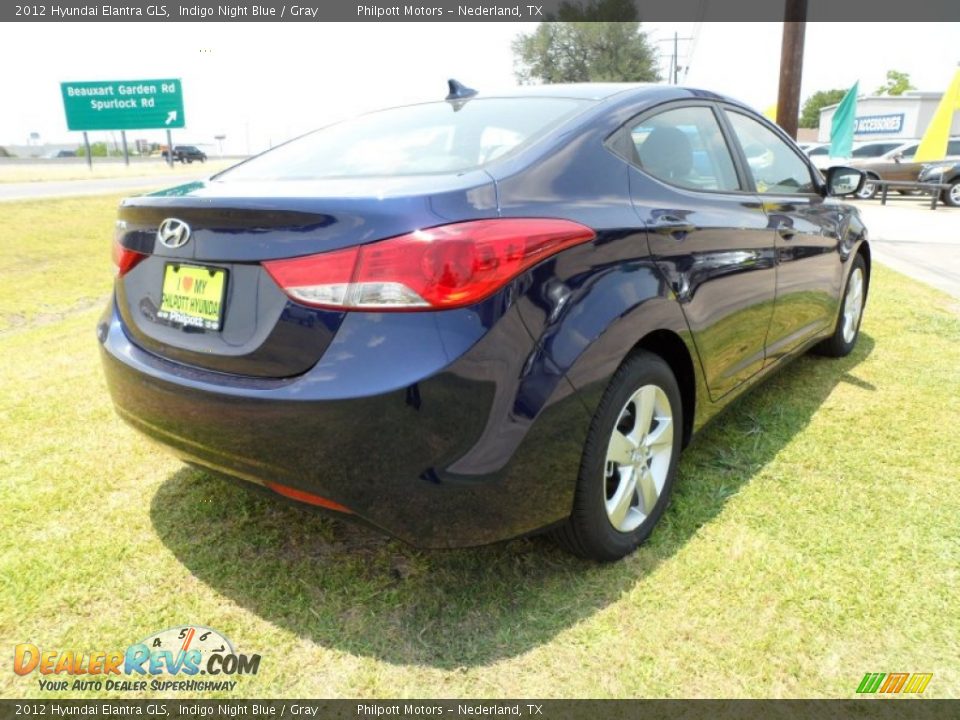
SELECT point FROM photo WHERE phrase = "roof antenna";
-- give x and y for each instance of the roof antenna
(459, 93)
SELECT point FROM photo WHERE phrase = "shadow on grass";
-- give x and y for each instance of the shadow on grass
(348, 588)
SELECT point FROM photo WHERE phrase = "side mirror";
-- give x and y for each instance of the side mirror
(844, 180)
(898, 157)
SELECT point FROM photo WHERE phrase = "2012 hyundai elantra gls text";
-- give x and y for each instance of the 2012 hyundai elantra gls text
(481, 317)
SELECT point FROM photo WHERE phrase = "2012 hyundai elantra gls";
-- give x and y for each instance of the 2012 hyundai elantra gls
(472, 319)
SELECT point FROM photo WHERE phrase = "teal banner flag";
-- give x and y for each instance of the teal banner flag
(844, 123)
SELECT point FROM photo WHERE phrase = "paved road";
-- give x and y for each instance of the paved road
(100, 186)
(921, 243)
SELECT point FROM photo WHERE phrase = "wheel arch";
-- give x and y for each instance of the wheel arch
(669, 346)
(863, 249)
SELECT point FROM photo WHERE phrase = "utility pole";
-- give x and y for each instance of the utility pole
(673, 72)
(791, 65)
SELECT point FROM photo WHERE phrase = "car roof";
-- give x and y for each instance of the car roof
(584, 91)
(603, 91)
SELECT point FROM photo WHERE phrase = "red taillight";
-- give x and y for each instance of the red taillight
(124, 259)
(444, 267)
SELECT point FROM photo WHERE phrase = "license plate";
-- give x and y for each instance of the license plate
(193, 296)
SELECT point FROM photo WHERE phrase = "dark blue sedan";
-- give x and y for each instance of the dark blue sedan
(482, 317)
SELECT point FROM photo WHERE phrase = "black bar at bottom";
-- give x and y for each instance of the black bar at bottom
(881, 708)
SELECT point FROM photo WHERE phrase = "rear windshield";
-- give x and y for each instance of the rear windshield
(413, 140)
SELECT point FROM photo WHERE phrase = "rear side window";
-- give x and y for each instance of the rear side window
(415, 140)
(953, 147)
(684, 147)
(873, 150)
(776, 167)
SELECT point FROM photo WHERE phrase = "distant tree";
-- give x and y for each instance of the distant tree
(568, 48)
(810, 114)
(97, 149)
(897, 84)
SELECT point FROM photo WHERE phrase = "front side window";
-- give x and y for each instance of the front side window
(776, 167)
(908, 152)
(436, 137)
(685, 147)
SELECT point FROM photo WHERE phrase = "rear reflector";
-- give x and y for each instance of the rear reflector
(440, 268)
(309, 498)
(124, 259)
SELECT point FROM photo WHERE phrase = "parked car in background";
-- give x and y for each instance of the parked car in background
(469, 320)
(896, 164)
(947, 173)
(185, 153)
(820, 154)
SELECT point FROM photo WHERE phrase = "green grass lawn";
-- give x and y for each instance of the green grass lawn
(814, 535)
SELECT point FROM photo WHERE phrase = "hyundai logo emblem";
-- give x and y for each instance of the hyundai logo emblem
(173, 233)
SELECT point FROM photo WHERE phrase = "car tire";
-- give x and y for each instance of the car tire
(869, 189)
(951, 196)
(616, 505)
(845, 334)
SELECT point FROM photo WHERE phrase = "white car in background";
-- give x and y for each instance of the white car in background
(820, 153)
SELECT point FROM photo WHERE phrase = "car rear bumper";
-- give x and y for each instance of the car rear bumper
(432, 427)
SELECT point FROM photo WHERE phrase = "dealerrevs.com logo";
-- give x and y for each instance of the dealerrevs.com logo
(189, 658)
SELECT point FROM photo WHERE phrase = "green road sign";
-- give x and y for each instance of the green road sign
(123, 104)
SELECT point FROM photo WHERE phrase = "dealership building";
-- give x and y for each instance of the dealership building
(882, 117)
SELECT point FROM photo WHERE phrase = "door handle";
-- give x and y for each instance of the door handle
(672, 225)
(786, 232)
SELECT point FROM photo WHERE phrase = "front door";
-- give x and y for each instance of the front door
(805, 228)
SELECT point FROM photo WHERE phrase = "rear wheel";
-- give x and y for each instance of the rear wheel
(847, 331)
(629, 461)
(951, 196)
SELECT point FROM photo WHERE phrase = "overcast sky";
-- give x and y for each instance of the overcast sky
(260, 84)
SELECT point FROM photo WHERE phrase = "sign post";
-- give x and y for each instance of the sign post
(124, 105)
(86, 144)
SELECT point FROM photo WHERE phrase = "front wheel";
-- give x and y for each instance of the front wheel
(951, 196)
(629, 461)
(847, 330)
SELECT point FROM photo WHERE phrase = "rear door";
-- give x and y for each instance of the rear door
(708, 234)
(805, 228)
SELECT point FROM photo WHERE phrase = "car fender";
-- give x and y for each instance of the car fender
(595, 322)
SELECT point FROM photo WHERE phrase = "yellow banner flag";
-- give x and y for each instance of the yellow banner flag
(934, 143)
(771, 113)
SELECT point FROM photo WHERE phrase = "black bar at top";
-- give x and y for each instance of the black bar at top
(861, 11)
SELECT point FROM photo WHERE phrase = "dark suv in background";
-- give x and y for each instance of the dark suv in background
(947, 173)
(186, 153)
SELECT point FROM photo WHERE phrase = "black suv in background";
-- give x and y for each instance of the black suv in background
(186, 153)
(947, 173)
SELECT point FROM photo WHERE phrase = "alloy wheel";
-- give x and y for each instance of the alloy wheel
(853, 305)
(953, 195)
(638, 458)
